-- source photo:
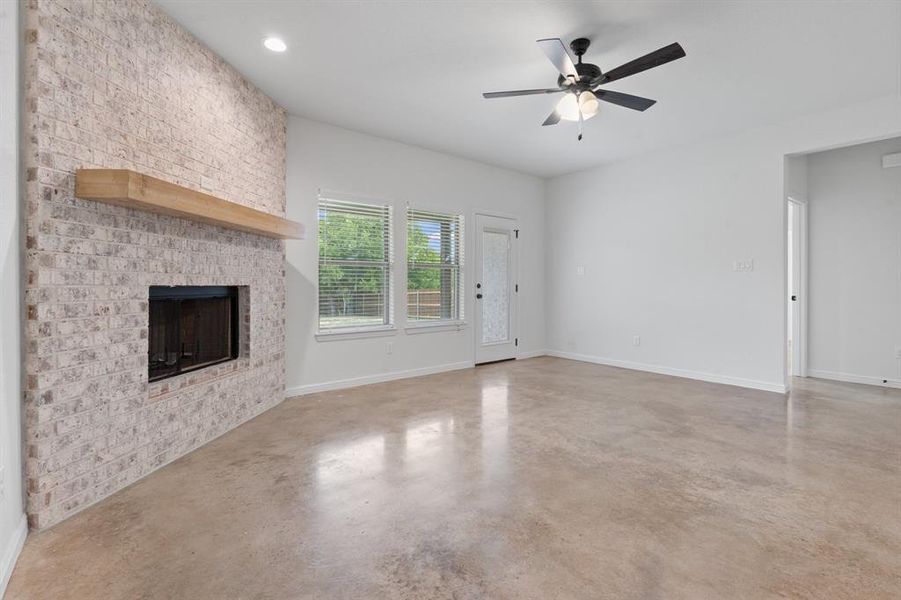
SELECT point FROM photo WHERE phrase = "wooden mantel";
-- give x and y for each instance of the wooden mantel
(135, 190)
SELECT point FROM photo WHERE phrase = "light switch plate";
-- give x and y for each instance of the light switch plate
(580, 270)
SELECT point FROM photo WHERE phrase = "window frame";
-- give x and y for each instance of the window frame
(387, 326)
(458, 322)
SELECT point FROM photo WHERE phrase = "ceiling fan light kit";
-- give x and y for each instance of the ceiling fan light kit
(580, 82)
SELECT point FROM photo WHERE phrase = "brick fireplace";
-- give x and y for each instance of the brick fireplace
(121, 85)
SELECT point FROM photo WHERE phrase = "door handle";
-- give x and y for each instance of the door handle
(794, 298)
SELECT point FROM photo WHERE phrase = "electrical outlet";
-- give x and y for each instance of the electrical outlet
(580, 270)
(898, 352)
(636, 341)
(743, 266)
(389, 348)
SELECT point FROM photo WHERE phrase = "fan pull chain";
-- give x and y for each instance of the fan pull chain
(580, 123)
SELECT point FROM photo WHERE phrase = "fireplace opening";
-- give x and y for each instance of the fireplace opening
(191, 327)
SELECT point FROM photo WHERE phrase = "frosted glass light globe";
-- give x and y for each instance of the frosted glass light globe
(569, 105)
(589, 104)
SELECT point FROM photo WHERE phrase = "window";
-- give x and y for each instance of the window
(434, 267)
(354, 265)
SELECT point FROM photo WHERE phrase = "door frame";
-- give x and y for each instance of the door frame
(476, 262)
(799, 325)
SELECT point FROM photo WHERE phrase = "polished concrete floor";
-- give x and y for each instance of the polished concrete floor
(543, 478)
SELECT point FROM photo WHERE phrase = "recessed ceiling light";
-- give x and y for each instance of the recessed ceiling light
(275, 44)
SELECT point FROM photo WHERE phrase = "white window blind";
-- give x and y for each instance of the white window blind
(355, 262)
(434, 266)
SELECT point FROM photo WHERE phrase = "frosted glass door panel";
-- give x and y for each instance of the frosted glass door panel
(495, 287)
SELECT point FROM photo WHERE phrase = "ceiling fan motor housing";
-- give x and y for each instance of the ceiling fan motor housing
(587, 73)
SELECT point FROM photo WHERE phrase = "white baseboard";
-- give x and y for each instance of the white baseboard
(531, 354)
(11, 553)
(766, 386)
(851, 378)
(339, 384)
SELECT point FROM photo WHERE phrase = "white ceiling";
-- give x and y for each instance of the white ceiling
(414, 71)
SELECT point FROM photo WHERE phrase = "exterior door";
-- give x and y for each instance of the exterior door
(495, 288)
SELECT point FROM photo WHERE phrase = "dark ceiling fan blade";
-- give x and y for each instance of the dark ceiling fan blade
(520, 93)
(556, 52)
(627, 100)
(648, 61)
(552, 119)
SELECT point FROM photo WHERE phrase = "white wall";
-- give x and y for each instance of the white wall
(796, 177)
(12, 517)
(855, 264)
(657, 236)
(329, 157)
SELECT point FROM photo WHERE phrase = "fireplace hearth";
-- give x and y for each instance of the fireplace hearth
(191, 327)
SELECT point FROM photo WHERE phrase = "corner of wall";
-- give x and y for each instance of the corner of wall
(13, 523)
(546, 235)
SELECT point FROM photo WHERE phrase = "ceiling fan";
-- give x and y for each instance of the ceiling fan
(580, 81)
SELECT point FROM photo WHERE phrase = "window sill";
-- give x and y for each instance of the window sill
(355, 334)
(435, 327)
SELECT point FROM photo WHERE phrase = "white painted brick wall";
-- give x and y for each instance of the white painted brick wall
(118, 84)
